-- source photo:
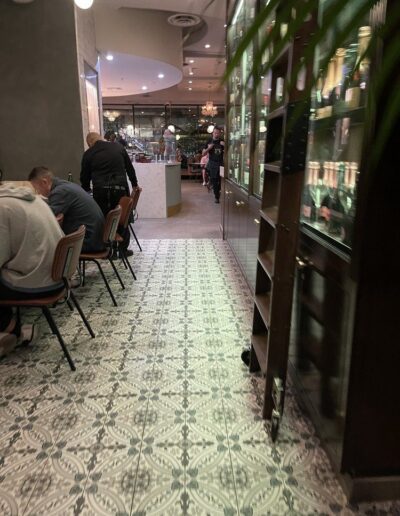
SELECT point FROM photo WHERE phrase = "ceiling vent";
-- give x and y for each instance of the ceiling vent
(184, 20)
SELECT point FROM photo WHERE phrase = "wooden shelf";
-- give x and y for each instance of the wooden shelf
(267, 262)
(263, 302)
(357, 116)
(313, 307)
(282, 56)
(274, 166)
(260, 346)
(276, 113)
(270, 215)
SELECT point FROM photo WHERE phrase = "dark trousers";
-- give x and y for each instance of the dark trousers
(7, 293)
(108, 199)
(216, 185)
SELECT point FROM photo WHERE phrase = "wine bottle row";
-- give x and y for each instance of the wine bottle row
(329, 197)
(344, 84)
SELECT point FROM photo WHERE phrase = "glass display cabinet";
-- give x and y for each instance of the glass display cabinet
(240, 100)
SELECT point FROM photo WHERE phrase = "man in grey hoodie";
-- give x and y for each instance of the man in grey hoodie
(29, 234)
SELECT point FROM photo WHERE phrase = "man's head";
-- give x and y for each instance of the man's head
(216, 134)
(92, 138)
(42, 180)
(110, 136)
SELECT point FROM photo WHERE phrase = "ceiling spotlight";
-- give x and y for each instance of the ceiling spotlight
(190, 89)
(161, 76)
(191, 71)
(109, 57)
(207, 45)
(84, 4)
(225, 25)
(144, 88)
(191, 61)
(190, 82)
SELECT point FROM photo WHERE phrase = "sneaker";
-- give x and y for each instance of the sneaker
(29, 333)
(204, 183)
(245, 356)
(8, 341)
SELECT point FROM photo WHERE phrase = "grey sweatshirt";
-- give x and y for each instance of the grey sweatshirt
(29, 234)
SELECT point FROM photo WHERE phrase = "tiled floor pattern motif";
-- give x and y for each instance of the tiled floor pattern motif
(161, 417)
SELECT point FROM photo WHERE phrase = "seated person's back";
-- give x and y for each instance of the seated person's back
(76, 206)
(29, 234)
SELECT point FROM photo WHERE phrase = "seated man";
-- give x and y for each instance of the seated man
(29, 234)
(76, 207)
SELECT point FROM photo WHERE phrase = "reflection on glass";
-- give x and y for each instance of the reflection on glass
(335, 139)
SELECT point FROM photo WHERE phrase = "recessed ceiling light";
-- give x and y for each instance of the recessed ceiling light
(109, 57)
(190, 82)
(207, 45)
(225, 25)
(161, 76)
(142, 112)
(191, 61)
(144, 87)
(191, 72)
(84, 4)
(190, 89)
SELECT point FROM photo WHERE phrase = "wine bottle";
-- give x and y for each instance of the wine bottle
(70, 178)
(308, 204)
(336, 220)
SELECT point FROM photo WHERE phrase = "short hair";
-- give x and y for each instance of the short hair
(92, 138)
(38, 172)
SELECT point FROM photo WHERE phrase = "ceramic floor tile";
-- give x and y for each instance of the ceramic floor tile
(160, 417)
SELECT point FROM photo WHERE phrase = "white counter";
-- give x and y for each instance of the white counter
(161, 195)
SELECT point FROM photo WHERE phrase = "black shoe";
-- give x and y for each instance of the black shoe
(128, 252)
(216, 201)
(114, 255)
(245, 356)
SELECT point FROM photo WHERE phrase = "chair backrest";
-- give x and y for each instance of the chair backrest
(111, 224)
(126, 204)
(135, 194)
(66, 256)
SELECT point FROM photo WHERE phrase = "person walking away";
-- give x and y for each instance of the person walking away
(215, 151)
(106, 165)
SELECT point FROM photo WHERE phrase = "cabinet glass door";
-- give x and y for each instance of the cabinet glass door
(240, 99)
(336, 135)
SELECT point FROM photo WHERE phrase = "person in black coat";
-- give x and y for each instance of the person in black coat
(106, 165)
(215, 150)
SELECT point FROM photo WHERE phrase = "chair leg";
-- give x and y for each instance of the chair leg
(70, 306)
(55, 331)
(134, 234)
(117, 274)
(83, 262)
(127, 262)
(85, 321)
(105, 282)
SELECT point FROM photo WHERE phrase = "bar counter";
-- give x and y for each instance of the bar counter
(161, 195)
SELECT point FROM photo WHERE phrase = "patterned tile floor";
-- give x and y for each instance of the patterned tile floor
(161, 417)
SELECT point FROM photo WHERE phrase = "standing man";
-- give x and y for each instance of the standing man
(106, 165)
(215, 151)
(76, 207)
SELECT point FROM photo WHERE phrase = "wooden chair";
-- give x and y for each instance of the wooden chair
(65, 262)
(109, 237)
(135, 194)
(126, 204)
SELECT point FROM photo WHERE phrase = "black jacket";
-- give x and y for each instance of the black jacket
(106, 164)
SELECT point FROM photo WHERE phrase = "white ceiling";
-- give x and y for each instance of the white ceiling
(209, 63)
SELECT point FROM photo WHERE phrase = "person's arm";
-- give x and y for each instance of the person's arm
(207, 149)
(129, 168)
(59, 201)
(86, 173)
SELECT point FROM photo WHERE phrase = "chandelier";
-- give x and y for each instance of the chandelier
(111, 115)
(209, 109)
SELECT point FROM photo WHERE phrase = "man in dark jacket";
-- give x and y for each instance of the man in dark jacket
(215, 151)
(106, 165)
(76, 207)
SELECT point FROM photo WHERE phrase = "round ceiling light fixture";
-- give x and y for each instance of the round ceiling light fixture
(184, 20)
(84, 4)
(109, 57)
